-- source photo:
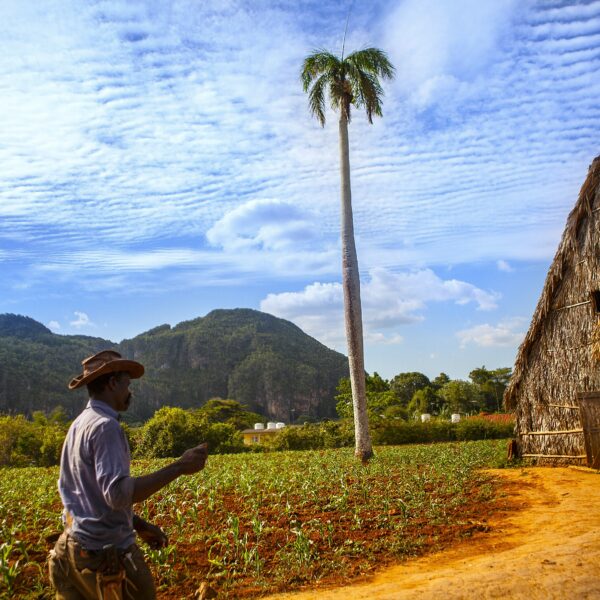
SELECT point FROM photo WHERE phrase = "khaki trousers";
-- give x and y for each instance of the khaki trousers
(73, 573)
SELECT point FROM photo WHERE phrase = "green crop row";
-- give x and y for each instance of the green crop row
(251, 523)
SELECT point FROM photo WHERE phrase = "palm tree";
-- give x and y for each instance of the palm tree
(349, 81)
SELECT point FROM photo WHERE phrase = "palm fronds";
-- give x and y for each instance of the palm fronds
(316, 98)
(353, 80)
(372, 60)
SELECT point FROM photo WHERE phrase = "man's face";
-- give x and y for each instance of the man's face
(119, 387)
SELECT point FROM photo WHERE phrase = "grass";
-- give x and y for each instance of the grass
(251, 524)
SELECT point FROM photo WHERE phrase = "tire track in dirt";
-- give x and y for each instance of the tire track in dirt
(549, 548)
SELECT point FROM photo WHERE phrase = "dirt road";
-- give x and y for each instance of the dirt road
(547, 549)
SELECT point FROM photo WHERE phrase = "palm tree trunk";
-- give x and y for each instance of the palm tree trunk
(352, 308)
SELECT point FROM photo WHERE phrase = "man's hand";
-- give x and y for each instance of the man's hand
(193, 460)
(154, 536)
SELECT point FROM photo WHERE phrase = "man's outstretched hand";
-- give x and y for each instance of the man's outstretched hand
(154, 536)
(194, 459)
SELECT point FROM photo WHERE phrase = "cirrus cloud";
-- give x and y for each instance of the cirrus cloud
(439, 41)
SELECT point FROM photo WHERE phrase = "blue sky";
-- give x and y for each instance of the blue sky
(159, 161)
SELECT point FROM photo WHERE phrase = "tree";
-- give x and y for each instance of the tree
(349, 81)
(404, 385)
(424, 400)
(500, 380)
(172, 430)
(492, 385)
(218, 410)
(380, 399)
(169, 433)
(461, 396)
(440, 381)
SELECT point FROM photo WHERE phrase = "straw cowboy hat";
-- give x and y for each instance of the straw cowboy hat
(107, 361)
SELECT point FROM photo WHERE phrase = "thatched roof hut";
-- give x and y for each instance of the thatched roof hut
(555, 363)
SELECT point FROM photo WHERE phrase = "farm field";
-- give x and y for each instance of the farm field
(253, 524)
(547, 549)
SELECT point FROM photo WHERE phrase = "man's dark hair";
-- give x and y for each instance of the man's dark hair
(97, 385)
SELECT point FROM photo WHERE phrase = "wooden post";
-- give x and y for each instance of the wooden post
(589, 405)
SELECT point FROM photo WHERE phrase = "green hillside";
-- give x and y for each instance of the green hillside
(265, 362)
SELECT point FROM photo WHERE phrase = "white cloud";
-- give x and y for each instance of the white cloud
(504, 266)
(54, 325)
(274, 237)
(263, 224)
(509, 332)
(389, 300)
(82, 320)
(317, 310)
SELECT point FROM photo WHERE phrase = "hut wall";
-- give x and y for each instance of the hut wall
(560, 363)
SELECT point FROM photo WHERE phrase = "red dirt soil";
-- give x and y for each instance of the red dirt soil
(547, 549)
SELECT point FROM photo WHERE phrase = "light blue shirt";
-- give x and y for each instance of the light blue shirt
(94, 484)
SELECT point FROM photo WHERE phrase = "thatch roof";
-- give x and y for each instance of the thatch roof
(596, 342)
(562, 260)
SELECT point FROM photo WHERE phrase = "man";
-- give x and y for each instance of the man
(96, 556)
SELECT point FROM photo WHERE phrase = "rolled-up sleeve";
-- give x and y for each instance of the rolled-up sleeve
(111, 461)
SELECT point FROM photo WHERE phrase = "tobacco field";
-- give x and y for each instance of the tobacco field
(251, 524)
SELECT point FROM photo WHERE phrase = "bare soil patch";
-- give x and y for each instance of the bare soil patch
(545, 545)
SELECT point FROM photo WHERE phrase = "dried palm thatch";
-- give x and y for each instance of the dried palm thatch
(596, 342)
(555, 360)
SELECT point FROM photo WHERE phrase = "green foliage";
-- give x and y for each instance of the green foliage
(491, 385)
(388, 431)
(343, 398)
(380, 398)
(405, 385)
(132, 434)
(424, 400)
(413, 432)
(313, 507)
(36, 365)
(23, 327)
(257, 359)
(443, 396)
(304, 437)
(441, 380)
(412, 394)
(223, 438)
(396, 411)
(217, 410)
(349, 80)
(461, 397)
(252, 357)
(171, 431)
(440, 430)
(476, 428)
(314, 436)
(337, 434)
(37, 442)
(50, 450)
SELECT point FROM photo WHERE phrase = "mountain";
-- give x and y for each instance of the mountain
(267, 363)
